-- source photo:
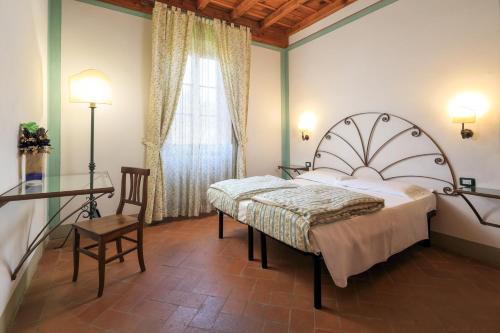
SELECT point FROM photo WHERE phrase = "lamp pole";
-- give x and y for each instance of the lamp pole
(91, 87)
(93, 212)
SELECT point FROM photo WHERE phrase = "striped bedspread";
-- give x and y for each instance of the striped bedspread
(288, 214)
(223, 202)
(241, 189)
(226, 195)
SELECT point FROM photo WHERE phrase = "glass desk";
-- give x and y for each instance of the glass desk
(94, 185)
(69, 185)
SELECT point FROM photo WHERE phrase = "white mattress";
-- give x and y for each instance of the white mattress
(352, 246)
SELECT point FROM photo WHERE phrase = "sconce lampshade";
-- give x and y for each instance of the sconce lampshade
(307, 121)
(90, 86)
(465, 107)
(463, 115)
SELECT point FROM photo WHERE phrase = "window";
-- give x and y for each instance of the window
(199, 149)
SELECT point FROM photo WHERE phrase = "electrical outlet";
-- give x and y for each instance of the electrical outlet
(467, 182)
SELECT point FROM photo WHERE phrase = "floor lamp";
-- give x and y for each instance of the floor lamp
(91, 87)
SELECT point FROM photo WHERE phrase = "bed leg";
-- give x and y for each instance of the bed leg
(317, 281)
(250, 243)
(263, 250)
(221, 224)
(427, 242)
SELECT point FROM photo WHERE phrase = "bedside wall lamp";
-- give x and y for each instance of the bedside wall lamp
(306, 124)
(464, 108)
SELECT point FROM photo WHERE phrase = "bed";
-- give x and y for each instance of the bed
(352, 246)
(367, 146)
(226, 196)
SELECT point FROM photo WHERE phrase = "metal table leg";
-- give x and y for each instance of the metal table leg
(40, 237)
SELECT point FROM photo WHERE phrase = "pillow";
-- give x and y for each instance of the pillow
(401, 189)
(325, 176)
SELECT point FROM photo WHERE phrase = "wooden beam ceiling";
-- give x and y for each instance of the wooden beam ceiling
(202, 4)
(332, 7)
(242, 8)
(270, 21)
(281, 12)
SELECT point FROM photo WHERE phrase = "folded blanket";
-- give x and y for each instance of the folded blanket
(245, 188)
(223, 202)
(321, 203)
(287, 215)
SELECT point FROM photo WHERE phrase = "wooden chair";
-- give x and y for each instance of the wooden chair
(114, 228)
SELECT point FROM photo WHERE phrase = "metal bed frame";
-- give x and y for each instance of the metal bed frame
(366, 159)
(250, 232)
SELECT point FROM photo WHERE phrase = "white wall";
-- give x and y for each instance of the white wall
(331, 19)
(409, 59)
(264, 113)
(119, 44)
(23, 32)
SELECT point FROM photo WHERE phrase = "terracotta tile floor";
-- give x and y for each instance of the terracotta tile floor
(197, 283)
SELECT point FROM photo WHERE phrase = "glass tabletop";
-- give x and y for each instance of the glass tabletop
(60, 186)
(481, 191)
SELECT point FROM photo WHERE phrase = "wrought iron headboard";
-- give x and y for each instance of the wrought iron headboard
(349, 156)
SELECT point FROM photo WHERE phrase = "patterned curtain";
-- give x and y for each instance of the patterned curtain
(172, 31)
(199, 148)
(233, 48)
(176, 35)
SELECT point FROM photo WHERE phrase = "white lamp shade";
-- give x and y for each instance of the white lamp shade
(464, 107)
(90, 86)
(307, 122)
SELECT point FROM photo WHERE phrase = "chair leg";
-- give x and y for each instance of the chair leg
(250, 243)
(263, 250)
(102, 265)
(140, 253)
(76, 254)
(119, 248)
(221, 224)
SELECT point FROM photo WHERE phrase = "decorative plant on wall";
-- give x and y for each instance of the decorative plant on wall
(33, 139)
(34, 143)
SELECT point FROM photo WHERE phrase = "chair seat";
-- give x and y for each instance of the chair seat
(107, 224)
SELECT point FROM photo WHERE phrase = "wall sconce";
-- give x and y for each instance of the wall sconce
(306, 124)
(464, 108)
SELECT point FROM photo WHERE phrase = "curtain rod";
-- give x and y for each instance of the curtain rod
(148, 2)
(151, 3)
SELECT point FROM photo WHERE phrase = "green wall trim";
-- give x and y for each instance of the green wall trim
(16, 298)
(54, 100)
(285, 111)
(346, 20)
(116, 8)
(267, 46)
(148, 16)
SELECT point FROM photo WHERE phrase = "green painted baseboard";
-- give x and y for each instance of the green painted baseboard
(484, 253)
(61, 232)
(17, 296)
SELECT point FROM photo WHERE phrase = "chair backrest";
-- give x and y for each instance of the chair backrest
(136, 194)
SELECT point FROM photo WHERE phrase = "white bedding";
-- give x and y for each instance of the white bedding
(352, 246)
